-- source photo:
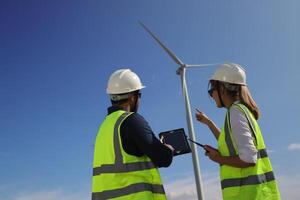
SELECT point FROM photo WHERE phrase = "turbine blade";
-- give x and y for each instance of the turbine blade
(204, 65)
(171, 54)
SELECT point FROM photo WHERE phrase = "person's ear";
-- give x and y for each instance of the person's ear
(131, 98)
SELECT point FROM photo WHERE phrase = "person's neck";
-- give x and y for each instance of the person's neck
(229, 101)
(126, 107)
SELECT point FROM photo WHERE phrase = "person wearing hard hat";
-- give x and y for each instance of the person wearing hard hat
(127, 154)
(245, 168)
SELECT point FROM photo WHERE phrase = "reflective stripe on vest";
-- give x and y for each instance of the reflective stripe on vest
(250, 180)
(228, 140)
(130, 189)
(127, 167)
(262, 153)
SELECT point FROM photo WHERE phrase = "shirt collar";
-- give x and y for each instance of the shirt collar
(112, 109)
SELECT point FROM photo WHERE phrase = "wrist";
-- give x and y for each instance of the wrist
(208, 122)
(218, 159)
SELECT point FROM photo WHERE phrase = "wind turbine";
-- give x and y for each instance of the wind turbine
(181, 71)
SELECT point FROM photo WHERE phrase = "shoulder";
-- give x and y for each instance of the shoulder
(237, 115)
(135, 121)
(135, 118)
(235, 111)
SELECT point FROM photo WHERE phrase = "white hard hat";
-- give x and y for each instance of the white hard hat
(123, 81)
(230, 73)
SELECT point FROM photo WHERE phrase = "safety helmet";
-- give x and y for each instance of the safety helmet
(230, 73)
(123, 81)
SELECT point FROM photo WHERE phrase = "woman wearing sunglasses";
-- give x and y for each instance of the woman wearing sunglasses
(245, 168)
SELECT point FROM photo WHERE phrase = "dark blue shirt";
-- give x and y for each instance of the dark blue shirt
(138, 139)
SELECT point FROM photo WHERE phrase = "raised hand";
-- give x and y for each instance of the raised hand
(201, 117)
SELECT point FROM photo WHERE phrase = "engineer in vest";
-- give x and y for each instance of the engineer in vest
(245, 168)
(127, 153)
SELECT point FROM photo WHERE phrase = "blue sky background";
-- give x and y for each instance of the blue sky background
(56, 57)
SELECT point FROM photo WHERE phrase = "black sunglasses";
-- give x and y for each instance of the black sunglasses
(210, 91)
(139, 95)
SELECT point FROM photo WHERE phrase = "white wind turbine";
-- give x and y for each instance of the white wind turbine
(181, 71)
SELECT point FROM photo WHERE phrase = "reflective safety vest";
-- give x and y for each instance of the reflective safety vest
(251, 183)
(118, 175)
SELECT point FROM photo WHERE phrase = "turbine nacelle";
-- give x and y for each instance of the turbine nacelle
(180, 69)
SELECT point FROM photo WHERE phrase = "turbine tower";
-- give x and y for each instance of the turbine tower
(181, 72)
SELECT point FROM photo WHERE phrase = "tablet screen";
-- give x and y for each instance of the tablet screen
(177, 139)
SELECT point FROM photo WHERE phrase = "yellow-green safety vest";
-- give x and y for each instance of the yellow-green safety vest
(118, 175)
(251, 183)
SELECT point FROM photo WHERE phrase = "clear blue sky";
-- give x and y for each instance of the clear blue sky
(56, 57)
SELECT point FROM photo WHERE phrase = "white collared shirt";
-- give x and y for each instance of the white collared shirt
(241, 133)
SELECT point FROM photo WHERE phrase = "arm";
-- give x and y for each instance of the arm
(138, 139)
(201, 117)
(233, 161)
(213, 128)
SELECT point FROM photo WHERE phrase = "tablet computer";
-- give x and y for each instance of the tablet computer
(177, 139)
